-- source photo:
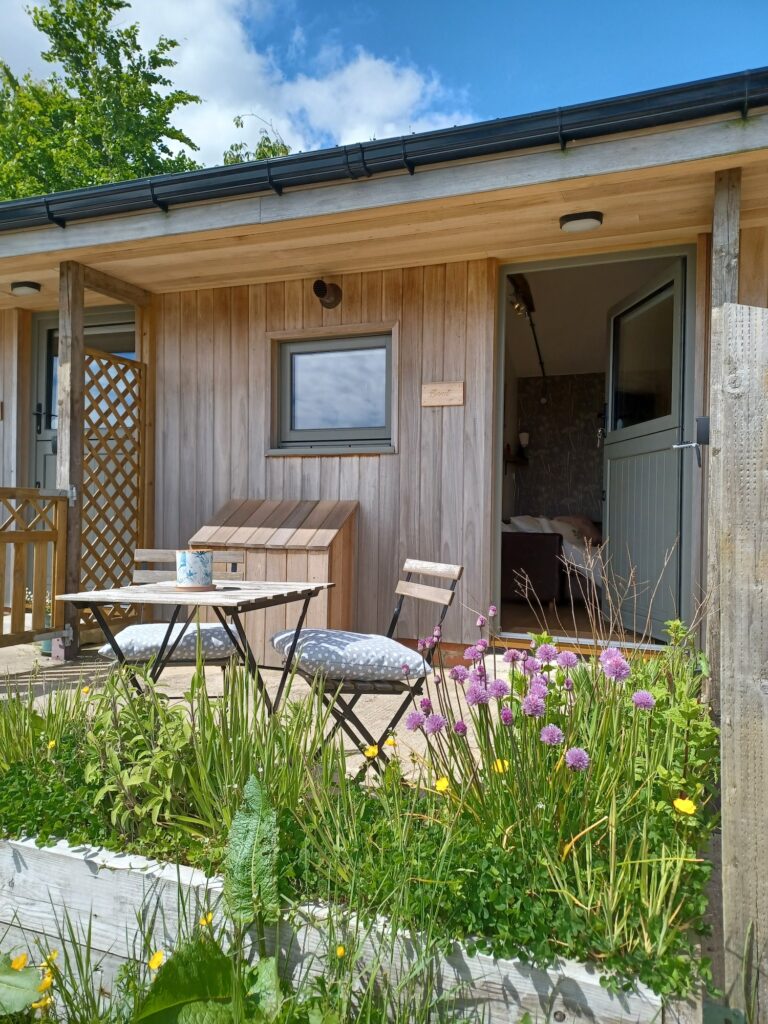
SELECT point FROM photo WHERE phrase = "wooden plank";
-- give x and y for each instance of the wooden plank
(105, 284)
(259, 379)
(147, 344)
(239, 397)
(39, 584)
(440, 569)
(389, 472)
(308, 528)
(218, 519)
(422, 592)
(189, 412)
(753, 266)
(222, 397)
(725, 237)
(290, 525)
(69, 455)
(59, 564)
(3, 557)
(738, 499)
(18, 587)
(170, 388)
(451, 464)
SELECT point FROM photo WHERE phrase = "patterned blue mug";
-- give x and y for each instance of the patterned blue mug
(194, 568)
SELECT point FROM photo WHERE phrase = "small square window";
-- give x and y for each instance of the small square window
(335, 392)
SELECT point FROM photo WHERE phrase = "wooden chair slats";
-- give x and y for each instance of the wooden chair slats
(440, 569)
(422, 592)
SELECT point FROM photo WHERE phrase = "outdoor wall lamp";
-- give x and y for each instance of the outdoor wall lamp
(575, 222)
(329, 295)
(25, 287)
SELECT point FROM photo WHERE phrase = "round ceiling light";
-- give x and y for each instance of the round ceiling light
(587, 221)
(25, 287)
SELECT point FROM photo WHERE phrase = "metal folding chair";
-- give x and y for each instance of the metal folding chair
(348, 666)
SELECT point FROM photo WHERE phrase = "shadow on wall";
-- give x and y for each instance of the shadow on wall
(564, 475)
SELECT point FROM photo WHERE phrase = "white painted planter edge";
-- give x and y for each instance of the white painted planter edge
(108, 889)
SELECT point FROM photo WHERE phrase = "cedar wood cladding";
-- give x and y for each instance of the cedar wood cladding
(431, 500)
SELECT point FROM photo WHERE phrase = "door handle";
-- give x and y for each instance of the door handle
(691, 444)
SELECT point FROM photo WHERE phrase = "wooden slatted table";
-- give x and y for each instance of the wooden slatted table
(230, 600)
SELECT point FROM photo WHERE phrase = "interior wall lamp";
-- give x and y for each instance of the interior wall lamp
(588, 220)
(25, 287)
(329, 295)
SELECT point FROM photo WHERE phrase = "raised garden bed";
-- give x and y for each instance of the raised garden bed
(106, 891)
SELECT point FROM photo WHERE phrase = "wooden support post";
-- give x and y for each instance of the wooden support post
(69, 457)
(738, 499)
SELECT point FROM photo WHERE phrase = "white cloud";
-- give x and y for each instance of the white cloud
(339, 97)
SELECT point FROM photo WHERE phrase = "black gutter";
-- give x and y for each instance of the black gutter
(727, 94)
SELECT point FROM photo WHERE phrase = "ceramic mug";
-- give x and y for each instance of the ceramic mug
(194, 568)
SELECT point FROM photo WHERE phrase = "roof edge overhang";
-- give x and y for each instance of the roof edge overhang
(736, 94)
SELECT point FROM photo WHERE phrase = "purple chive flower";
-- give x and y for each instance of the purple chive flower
(539, 678)
(546, 654)
(481, 644)
(414, 721)
(511, 655)
(567, 659)
(439, 678)
(533, 705)
(493, 611)
(471, 653)
(478, 674)
(437, 632)
(644, 700)
(426, 705)
(459, 674)
(568, 683)
(420, 646)
(616, 668)
(406, 670)
(434, 723)
(481, 621)
(537, 689)
(477, 694)
(460, 728)
(577, 759)
(551, 735)
(531, 666)
(506, 716)
(498, 688)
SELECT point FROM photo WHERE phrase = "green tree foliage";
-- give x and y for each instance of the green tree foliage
(103, 115)
(270, 143)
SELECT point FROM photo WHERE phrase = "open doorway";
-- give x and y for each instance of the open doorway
(597, 380)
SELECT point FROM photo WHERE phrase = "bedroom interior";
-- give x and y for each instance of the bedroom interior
(556, 333)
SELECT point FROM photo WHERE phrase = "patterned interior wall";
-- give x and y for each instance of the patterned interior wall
(564, 475)
(431, 500)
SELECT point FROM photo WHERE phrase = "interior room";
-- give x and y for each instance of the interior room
(558, 324)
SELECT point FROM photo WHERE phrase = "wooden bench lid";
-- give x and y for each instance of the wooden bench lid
(266, 523)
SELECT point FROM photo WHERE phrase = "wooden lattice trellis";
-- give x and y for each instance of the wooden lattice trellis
(114, 408)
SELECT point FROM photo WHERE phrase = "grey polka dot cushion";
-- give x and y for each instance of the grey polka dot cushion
(338, 654)
(142, 642)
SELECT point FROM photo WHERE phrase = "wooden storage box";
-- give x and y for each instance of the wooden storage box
(299, 541)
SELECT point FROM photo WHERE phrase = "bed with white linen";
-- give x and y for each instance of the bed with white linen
(580, 541)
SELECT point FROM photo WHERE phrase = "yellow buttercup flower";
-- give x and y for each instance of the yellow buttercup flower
(206, 919)
(341, 952)
(390, 741)
(42, 1004)
(500, 765)
(49, 959)
(85, 691)
(19, 962)
(156, 960)
(46, 983)
(442, 785)
(51, 744)
(685, 806)
(371, 751)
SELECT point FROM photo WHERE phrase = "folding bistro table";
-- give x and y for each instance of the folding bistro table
(229, 600)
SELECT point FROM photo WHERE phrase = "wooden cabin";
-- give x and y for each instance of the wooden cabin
(489, 337)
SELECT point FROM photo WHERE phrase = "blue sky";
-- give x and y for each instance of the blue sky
(326, 74)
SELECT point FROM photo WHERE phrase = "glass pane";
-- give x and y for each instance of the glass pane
(643, 351)
(342, 389)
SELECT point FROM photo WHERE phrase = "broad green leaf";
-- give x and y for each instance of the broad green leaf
(198, 973)
(206, 1013)
(18, 989)
(266, 986)
(250, 873)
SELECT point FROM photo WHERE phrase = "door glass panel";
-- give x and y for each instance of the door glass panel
(643, 351)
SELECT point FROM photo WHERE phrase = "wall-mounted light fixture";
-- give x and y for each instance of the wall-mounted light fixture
(25, 287)
(329, 295)
(576, 222)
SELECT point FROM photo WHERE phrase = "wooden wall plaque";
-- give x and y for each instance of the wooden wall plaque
(442, 392)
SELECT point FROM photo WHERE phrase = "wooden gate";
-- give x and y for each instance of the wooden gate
(114, 486)
(33, 531)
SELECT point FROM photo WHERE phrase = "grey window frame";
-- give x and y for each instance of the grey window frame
(339, 438)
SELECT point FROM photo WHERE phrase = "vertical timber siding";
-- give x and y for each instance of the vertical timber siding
(430, 500)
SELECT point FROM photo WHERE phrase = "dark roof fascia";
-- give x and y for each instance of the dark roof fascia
(712, 97)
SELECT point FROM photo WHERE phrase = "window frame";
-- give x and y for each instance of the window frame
(286, 440)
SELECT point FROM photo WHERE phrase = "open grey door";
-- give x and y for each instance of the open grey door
(643, 481)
